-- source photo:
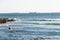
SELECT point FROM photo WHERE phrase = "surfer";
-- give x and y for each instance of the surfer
(10, 29)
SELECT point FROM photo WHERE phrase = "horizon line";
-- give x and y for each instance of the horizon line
(29, 12)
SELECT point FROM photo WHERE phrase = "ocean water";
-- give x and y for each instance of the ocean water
(30, 25)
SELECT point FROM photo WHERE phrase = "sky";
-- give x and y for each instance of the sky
(7, 6)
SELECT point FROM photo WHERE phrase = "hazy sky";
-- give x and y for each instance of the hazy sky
(29, 6)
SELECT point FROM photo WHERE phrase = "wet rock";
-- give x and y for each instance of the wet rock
(10, 20)
(4, 20)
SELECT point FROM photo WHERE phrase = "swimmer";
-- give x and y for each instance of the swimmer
(10, 29)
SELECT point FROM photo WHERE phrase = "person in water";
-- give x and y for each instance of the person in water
(9, 28)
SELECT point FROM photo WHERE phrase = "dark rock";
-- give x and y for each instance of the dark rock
(10, 20)
(4, 20)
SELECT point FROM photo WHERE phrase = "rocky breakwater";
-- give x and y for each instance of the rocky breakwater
(5, 20)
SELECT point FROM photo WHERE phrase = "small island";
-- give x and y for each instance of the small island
(5, 20)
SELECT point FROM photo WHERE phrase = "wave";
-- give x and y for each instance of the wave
(45, 20)
(36, 19)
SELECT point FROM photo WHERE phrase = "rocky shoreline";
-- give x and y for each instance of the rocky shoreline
(5, 20)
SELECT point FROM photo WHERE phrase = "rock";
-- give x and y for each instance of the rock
(10, 20)
(4, 20)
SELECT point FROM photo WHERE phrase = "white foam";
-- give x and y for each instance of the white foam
(53, 19)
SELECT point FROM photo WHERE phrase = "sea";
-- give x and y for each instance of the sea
(30, 25)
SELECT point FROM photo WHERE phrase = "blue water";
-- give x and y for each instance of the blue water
(28, 26)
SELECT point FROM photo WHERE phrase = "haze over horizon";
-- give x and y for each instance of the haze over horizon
(22, 6)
